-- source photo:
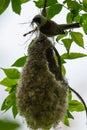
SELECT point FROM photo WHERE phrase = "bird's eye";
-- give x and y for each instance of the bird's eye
(37, 20)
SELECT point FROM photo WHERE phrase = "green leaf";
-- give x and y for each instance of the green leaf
(85, 3)
(67, 43)
(40, 3)
(14, 111)
(75, 105)
(24, 1)
(53, 10)
(20, 62)
(74, 8)
(66, 121)
(11, 89)
(59, 37)
(62, 61)
(69, 18)
(73, 55)
(8, 125)
(77, 38)
(63, 70)
(84, 22)
(70, 115)
(11, 73)
(73, 5)
(69, 96)
(3, 5)
(77, 18)
(9, 82)
(51, 2)
(16, 6)
(8, 102)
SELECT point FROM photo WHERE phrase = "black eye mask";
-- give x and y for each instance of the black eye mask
(37, 20)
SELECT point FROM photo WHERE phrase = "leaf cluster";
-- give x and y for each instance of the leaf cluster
(16, 5)
(10, 82)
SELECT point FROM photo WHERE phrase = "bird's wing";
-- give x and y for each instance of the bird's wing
(50, 28)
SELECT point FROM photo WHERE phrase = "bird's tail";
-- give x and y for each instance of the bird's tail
(70, 26)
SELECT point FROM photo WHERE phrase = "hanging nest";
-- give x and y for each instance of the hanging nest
(41, 94)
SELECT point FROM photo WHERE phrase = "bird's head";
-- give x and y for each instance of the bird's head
(39, 20)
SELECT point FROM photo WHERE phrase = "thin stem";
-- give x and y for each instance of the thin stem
(45, 3)
(65, 7)
(80, 2)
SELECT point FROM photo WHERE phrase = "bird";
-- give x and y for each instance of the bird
(50, 28)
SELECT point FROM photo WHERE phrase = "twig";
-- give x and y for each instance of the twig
(44, 8)
(80, 2)
(32, 31)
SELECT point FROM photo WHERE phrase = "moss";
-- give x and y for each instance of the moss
(41, 99)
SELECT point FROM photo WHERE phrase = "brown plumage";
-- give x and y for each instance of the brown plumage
(51, 28)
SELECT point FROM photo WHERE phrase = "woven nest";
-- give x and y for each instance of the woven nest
(41, 96)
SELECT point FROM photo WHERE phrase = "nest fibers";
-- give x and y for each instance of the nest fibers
(41, 98)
